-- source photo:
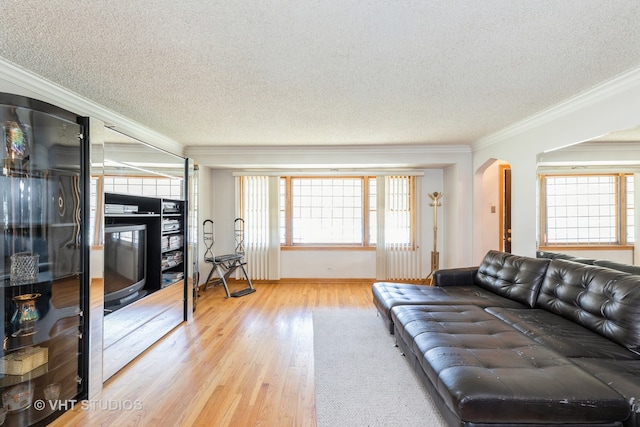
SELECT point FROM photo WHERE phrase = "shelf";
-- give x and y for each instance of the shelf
(48, 368)
(168, 232)
(11, 380)
(63, 326)
(171, 265)
(131, 215)
(43, 277)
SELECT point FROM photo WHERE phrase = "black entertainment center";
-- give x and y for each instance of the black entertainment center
(145, 248)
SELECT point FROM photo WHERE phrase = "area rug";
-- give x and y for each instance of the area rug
(361, 378)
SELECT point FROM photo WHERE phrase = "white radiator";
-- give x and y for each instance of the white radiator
(403, 262)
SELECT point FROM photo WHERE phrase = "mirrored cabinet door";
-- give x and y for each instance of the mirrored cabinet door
(42, 259)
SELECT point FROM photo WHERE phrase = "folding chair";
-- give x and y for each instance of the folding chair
(225, 265)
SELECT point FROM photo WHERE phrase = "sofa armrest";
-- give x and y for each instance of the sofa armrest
(454, 276)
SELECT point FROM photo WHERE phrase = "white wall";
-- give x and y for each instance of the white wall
(348, 264)
(453, 219)
(205, 207)
(608, 108)
(611, 107)
(451, 176)
(489, 207)
(457, 212)
(223, 211)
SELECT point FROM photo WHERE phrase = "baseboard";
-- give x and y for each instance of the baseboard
(296, 281)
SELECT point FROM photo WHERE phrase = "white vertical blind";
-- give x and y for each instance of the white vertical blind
(401, 252)
(381, 247)
(260, 211)
(255, 212)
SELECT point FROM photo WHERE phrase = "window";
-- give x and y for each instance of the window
(342, 211)
(399, 211)
(325, 211)
(630, 210)
(587, 209)
(153, 187)
(143, 186)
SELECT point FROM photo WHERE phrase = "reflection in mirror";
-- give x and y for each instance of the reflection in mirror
(133, 167)
(587, 199)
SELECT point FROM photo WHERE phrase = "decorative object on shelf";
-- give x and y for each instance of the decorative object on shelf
(170, 225)
(16, 140)
(171, 277)
(26, 315)
(52, 391)
(24, 267)
(435, 256)
(18, 398)
(25, 360)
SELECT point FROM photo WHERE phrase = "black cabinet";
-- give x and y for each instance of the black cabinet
(172, 245)
(165, 238)
(43, 259)
(136, 323)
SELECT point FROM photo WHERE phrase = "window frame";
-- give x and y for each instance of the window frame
(620, 209)
(366, 244)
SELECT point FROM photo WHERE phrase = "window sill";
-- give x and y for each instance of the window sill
(327, 248)
(609, 247)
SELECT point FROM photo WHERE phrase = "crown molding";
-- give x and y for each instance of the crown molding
(620, 84)
(45, 90)
(324, 149)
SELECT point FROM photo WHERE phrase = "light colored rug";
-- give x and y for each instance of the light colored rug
(361, 379)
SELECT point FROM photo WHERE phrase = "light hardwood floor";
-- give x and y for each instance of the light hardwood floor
(242, 362)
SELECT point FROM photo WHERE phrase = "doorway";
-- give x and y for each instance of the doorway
(505, 208)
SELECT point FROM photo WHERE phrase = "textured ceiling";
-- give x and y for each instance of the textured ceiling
(282, 72)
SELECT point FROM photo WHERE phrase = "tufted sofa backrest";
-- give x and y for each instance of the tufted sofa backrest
(516, 277)
(600, 299)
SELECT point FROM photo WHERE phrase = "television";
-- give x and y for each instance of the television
(125, 264)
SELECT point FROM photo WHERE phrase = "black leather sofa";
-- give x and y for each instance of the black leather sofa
(521, 341)
(633, 269)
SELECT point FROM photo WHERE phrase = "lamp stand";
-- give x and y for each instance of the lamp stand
(435, 256)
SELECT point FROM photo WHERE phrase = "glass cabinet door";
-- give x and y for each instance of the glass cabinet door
(42, 260)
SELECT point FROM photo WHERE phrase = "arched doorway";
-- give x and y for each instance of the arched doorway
(493, 209)
(505, 207)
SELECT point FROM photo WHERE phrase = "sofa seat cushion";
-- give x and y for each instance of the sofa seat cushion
(488, 372)
(452, 322)
(561, 335)
(600, 299)
(622, 376)
(387, 295)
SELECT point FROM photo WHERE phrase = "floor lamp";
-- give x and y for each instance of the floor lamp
(435, 256)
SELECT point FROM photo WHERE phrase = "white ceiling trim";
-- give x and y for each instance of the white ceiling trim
(276, 158)
(196, 150)
(625, 82)
(335, 172)
(68, 100)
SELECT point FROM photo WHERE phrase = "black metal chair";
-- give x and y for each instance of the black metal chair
(225, 265)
